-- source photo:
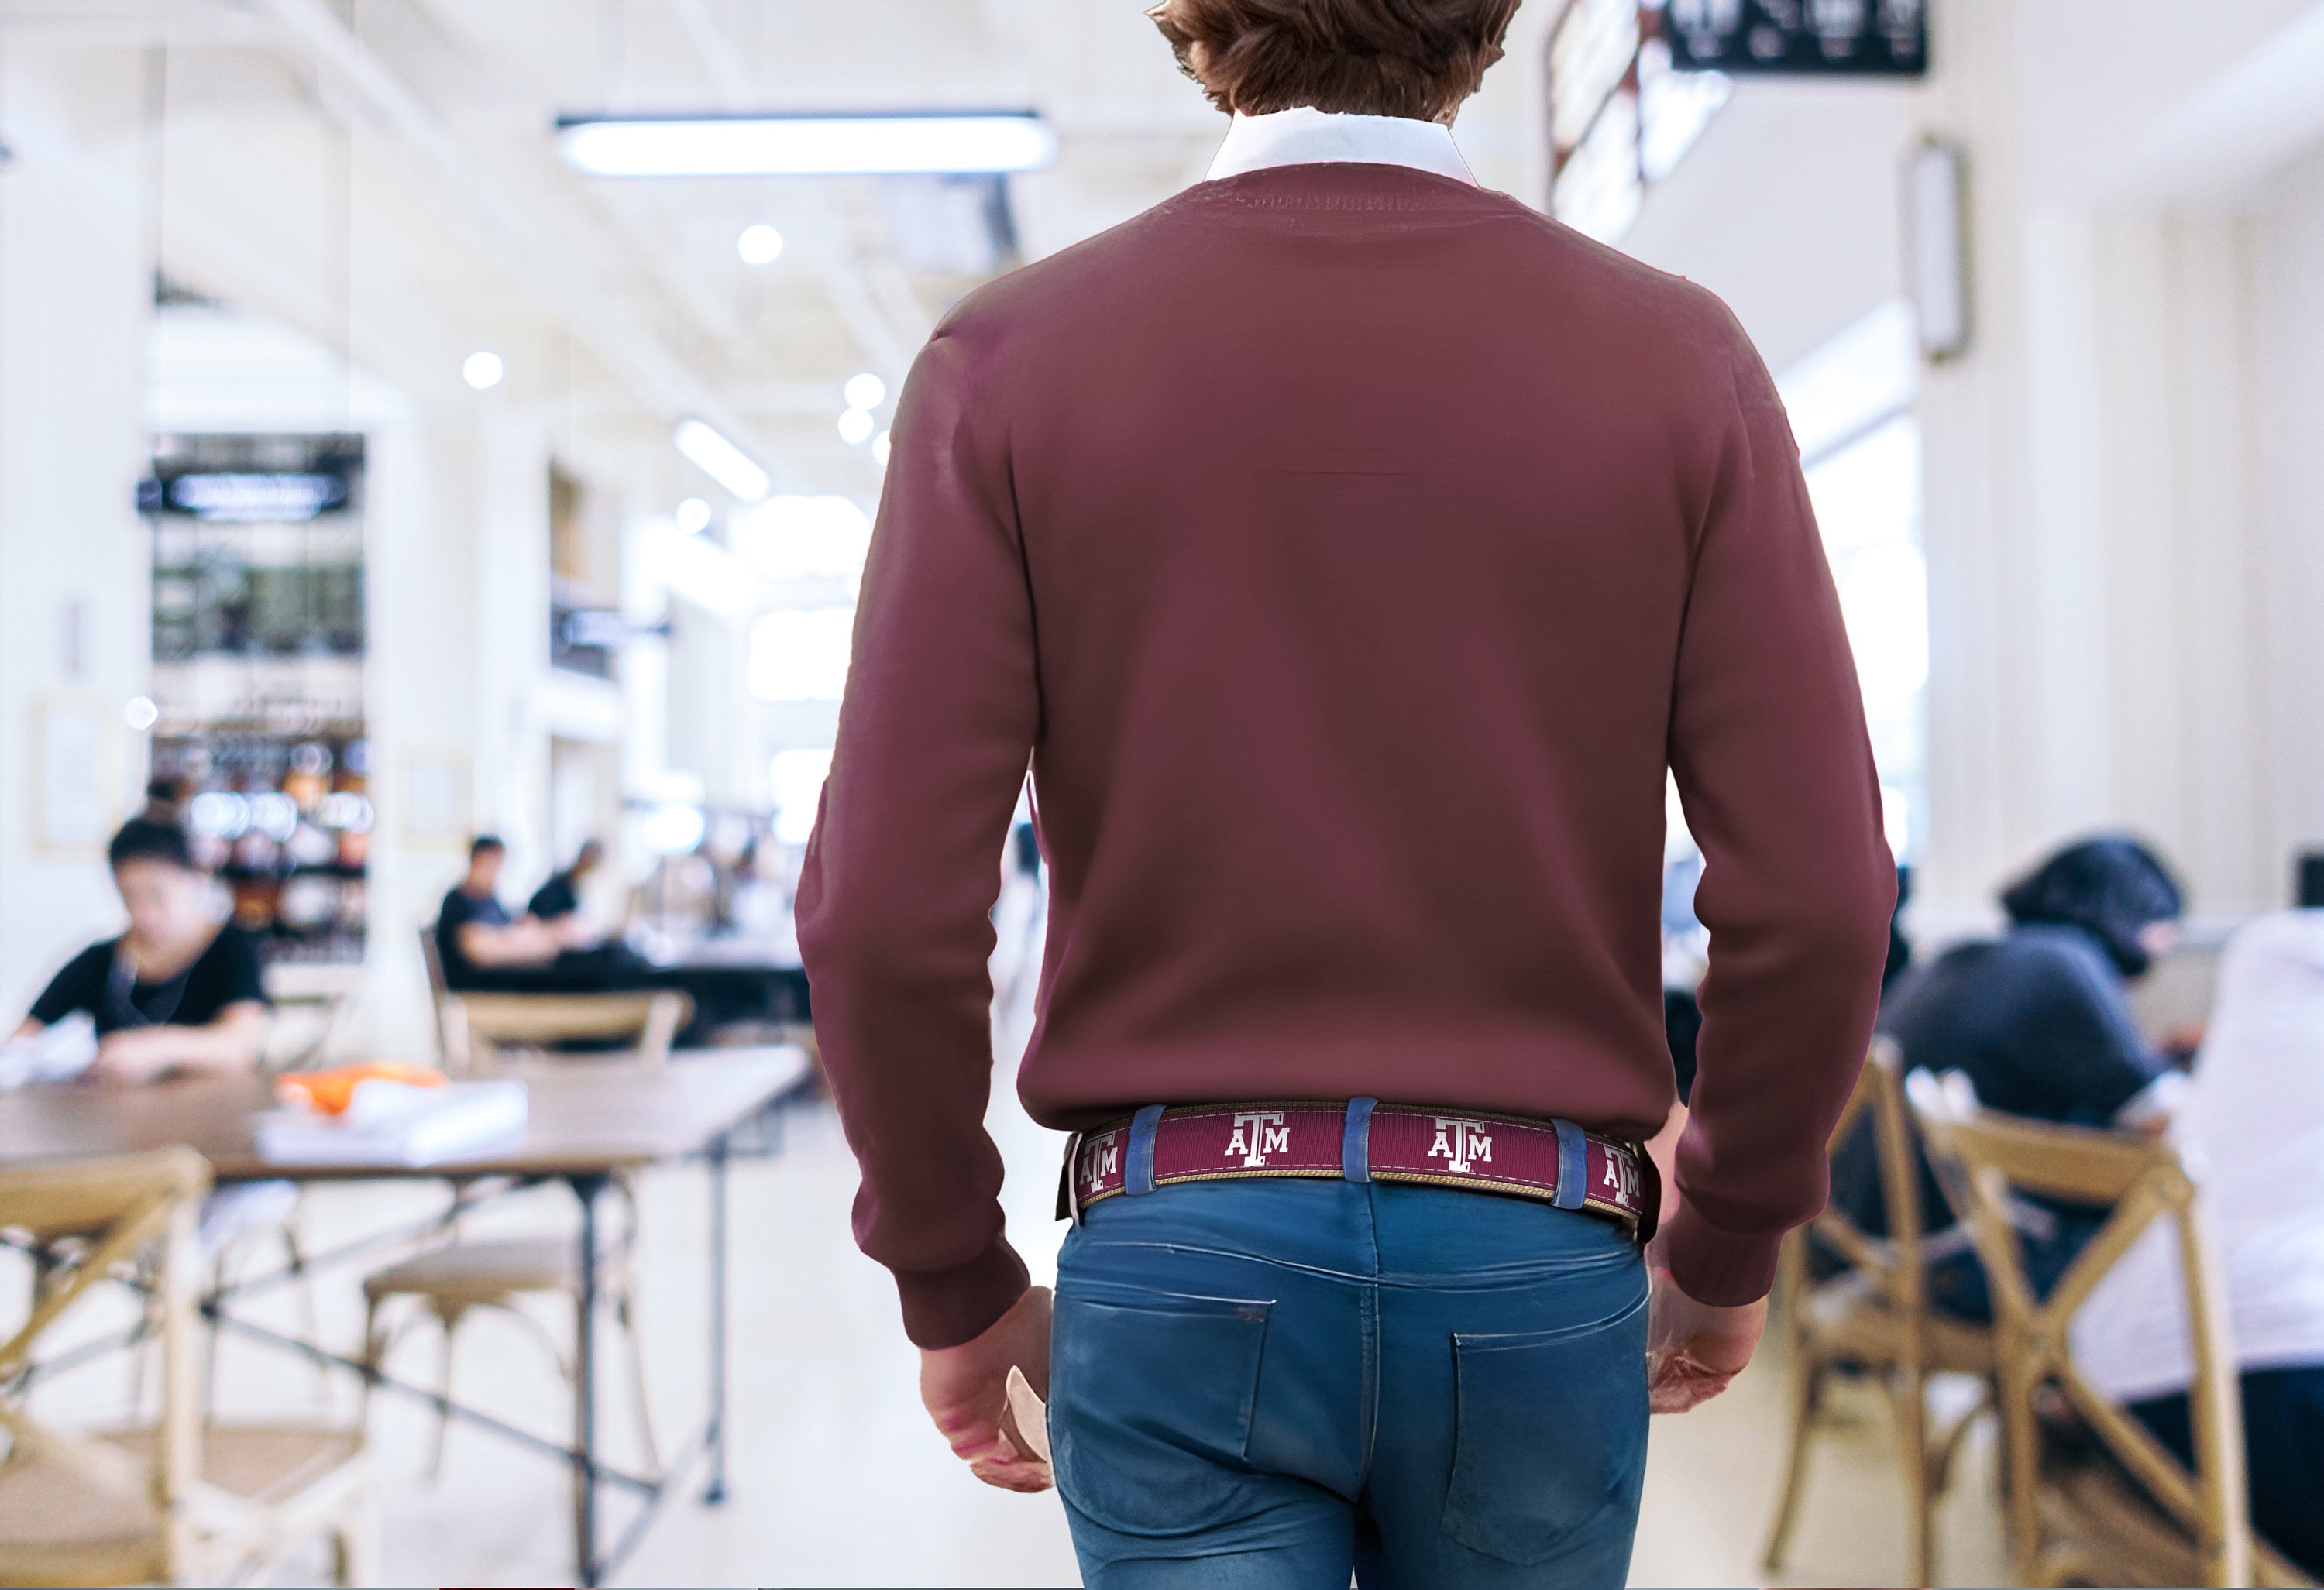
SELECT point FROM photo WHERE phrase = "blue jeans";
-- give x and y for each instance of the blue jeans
(1272, 1383)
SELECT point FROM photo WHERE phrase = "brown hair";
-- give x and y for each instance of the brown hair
(1418, 59)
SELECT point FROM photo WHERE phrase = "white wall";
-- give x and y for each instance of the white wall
(2289, 288)
(75, 299)
(2122, 480)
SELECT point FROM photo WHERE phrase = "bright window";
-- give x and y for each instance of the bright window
(800, 654)
(1849, 403)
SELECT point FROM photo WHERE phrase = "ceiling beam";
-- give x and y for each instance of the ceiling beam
(507, 220)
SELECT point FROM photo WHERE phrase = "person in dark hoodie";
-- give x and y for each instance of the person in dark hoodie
(2040, 1022)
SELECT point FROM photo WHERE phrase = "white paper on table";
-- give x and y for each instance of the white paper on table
(396, 1124)
(56, 1054)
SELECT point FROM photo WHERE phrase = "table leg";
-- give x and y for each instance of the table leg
(585, 1188)
(715, 1492)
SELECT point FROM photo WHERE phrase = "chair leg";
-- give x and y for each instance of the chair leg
(1807, 1397)
(2021, 1455)
(450, 1320)
(355, 1542)
(1908, 1396)
(294, 1254)
(625, 1311)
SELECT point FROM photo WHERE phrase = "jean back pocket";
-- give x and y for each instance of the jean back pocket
(1551, 1435)
(1150, 1409)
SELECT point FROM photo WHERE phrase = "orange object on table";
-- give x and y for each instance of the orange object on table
(329, 1092)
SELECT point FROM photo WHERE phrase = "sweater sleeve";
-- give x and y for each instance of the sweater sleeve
(1773, 766)
(904, 867)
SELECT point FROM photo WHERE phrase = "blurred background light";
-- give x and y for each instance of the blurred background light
(797, 537)
(722, 460)
(805, 145)
(759, 244)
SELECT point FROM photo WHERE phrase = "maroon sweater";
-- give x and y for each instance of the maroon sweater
(1350, 551)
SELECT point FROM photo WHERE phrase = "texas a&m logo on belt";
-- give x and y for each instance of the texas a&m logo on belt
(1462, 1142)
(1101, 1161)
(1259, 1133)
(1617, 1183)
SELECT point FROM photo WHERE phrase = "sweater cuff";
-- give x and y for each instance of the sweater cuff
(1721, 1268)
(944, 1307)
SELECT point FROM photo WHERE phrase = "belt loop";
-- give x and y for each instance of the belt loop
(1138, 1164)
(1356, 1142)
(1572, 1165)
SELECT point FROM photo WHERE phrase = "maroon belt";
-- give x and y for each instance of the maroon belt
(1363, 1140)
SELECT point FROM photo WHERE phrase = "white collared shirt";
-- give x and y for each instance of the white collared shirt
(1307, 136)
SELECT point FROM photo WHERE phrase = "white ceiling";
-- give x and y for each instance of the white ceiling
(379, 174)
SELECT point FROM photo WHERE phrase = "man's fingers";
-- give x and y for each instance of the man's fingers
(1676, 1385)
(1028, 1476)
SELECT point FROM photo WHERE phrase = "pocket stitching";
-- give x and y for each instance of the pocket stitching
(1252, 1310)
(1470, 1526)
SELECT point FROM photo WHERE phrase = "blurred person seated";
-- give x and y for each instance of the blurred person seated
(2040, 1022)
(2252, 1134)
(178, 993)
(486, 949)
(181, 990)
(560, 896)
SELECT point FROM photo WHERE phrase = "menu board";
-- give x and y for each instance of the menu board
(1876, 38)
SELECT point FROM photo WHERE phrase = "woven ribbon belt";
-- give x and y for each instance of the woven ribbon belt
(1363, 1140)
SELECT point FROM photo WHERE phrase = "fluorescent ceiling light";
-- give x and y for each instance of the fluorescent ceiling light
(722, 460)
(805, 145)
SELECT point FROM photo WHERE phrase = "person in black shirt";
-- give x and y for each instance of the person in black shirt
(181, 990)
(2040, 1023)
(560, 896)
(482, 947)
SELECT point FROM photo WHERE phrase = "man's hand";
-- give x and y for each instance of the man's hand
(1693, 1349)
(966, 1391)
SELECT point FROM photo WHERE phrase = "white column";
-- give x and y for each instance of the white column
(76, 297)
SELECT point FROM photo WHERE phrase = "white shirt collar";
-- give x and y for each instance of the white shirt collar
(1307, 136)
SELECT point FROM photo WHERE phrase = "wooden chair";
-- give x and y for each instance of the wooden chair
(1874, 1317)
(2093, 1497)
(452, 1281)
(179, 1502)
(470, 1025)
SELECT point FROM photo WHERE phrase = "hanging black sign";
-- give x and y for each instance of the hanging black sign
(1845, 38)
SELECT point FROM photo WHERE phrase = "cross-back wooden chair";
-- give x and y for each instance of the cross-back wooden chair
(1874, 1316)
(2093, 1497)
(180, 1501)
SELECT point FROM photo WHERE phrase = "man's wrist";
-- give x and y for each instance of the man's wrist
(944, 1307)
(1717, 1268)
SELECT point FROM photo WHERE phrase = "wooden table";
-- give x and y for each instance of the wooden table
(590, 1117)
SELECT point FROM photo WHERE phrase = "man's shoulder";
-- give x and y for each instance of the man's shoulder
(1099, 271)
